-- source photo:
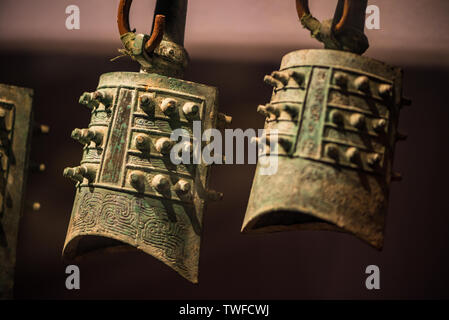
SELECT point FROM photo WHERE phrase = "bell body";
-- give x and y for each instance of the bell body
(16, 123)
(336, 114)
(128, 190)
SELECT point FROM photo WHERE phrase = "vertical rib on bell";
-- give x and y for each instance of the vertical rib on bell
(135, 195)
(337, 173)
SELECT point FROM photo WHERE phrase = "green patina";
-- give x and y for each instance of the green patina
(337, 115)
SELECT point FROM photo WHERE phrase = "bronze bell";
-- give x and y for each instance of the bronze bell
(128, 191)
(336, 170)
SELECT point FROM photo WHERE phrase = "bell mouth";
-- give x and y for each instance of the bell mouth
(82, 246)
(287, 220)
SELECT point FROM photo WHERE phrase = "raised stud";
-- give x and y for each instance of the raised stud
(103, 97)
(285, 143)
(291, 110)
(147, 102)
(341, 80)
(183, 186)
(191, 109)
(362, 83)
(299, 77)
(336, 117)
(332, 151)
(85, 136)
(262, 110)
(255, 140)
(281, 76)
(160, 183)
(187, 147)
(88, 100)
(353, 154)
(223, 121)
(379, 125)
(270, 80)
(77, 135)
(137, 180)
(213, 195)
(374, 159)
(143, 142)
(87, 171)
(164, 145)
(273, 110)
(266, 139)
(385, 90)
(357, 120)
(168, 106)
(71, 173)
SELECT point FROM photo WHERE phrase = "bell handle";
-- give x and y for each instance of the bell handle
(123, 26)
(302, 7)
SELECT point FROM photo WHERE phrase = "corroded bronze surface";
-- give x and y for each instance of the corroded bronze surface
(129, 191)
(337, 116)
(15, 136)
(127, 187)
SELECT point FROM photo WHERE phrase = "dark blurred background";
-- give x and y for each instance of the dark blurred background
(233, 44)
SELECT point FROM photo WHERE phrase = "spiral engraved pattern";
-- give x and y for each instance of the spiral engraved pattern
(85, 218)
(159, 232)
(117, 217)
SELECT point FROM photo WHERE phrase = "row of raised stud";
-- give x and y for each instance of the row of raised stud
(79, 173)
(168, 106)
(362, 83)
(274, 110)
(163, 145)
(352, 155)
(93, 99)
(285, 142)
(359, 121)
(86, 136)
(280, 79)
(159, 183)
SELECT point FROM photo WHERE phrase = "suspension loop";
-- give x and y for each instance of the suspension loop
(302, 7)
(157, 33)
(344, 32)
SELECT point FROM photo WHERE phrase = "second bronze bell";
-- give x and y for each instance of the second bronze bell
(336, 114)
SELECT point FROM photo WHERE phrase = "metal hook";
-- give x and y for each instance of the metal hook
(302, 7)
(123, 26)
(344, 32)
